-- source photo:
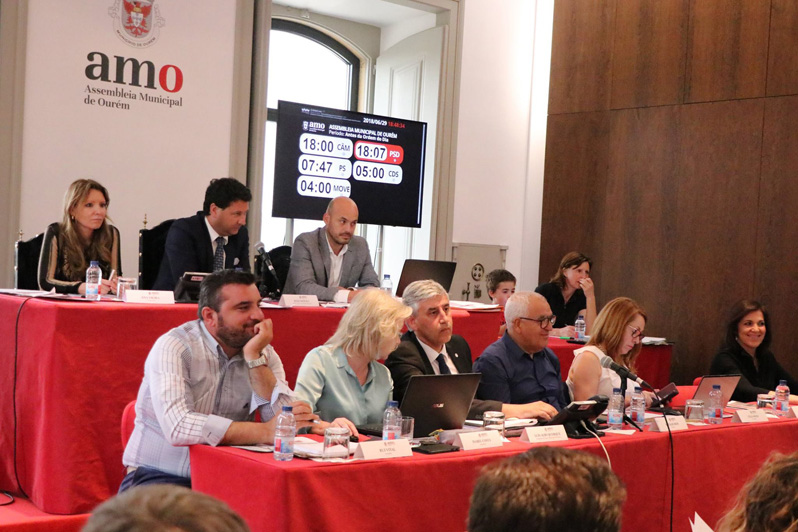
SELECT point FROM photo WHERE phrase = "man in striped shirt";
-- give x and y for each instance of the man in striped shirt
(203, 382)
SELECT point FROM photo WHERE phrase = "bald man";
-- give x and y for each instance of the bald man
(331, 261)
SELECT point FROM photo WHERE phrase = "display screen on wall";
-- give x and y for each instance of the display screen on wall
(324, 153)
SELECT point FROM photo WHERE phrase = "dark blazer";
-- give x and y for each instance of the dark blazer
(189, 249)
(310, 266)
(409, 359)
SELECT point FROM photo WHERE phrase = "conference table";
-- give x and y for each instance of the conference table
(69, 367)
(423, 492)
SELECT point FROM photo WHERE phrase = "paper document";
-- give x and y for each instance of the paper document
(308, 448)
(262, 448)
(472, 305)
(653, 340)
(699, 525)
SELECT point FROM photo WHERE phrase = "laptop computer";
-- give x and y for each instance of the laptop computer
(434, 402)
(417, 270)
(727, 385)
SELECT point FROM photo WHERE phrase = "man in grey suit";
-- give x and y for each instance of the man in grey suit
(330, 261)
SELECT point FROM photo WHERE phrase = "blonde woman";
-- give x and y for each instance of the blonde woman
(617, 333)
(342, 380)
(82, 236)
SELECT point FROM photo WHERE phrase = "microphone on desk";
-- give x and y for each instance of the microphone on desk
(267, 261)
(607, 362)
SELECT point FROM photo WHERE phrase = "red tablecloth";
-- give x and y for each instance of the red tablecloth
(76, 365)
(432, 492)
(653, 363)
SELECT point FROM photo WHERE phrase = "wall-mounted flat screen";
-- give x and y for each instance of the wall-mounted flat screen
(323, 153)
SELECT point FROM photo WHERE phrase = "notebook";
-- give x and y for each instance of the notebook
(418, 270)
(435, 402)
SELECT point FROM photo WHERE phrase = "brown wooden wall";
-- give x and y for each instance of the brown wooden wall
(672, 160)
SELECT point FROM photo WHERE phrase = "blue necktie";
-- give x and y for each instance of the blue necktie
(218, 256)
(442, 365)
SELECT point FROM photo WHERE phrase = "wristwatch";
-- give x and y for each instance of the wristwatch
(262, 361)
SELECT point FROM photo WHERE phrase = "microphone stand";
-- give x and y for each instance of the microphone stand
(626, 418)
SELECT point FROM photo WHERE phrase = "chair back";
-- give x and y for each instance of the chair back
(26, 262)
(128, 422)
(281, 260)
(151, 249)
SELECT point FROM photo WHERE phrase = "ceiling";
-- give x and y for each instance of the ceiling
(372, 12)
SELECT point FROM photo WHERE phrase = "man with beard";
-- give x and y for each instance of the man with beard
(203, 382)
(330, 261)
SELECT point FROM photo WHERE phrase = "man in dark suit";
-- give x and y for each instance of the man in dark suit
(213, 239)
(330, 261)
(430, 348)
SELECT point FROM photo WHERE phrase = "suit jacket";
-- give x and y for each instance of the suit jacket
(310, 266)
(410, 359)
(189, 248)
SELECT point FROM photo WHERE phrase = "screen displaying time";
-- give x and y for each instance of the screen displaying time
(323, 153)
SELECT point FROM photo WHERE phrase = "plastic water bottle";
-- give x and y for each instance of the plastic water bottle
(714, 411)
(392, 422)
(615, 410)
(580, 327)
(781, 402)
(637, 410)
(284, 435)
(386, 284)
(94, 276)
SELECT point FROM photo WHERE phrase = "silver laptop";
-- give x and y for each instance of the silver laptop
(727, 385)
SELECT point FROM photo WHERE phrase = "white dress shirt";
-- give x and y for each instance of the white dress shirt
(433, 357)
(214, 236)
(336, 263)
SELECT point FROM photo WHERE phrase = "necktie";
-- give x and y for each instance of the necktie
(441, 360)
(218, 256)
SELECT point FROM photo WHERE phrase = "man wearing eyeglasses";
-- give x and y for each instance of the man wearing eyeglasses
(518, 368)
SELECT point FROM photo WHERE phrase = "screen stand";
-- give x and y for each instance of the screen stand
(378, 254)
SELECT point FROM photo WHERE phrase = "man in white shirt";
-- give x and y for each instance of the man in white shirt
(203, 382)
(331, 261)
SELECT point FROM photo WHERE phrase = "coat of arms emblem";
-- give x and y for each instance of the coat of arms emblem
(136, 22)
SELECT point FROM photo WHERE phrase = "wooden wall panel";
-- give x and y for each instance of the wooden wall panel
(777, 263)
(580, 56)
(783, 49)
(715, 252)
(648, 55)
(574, 185)
(640, 207)
(727, 49)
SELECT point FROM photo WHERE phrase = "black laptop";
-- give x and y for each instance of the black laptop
(419, 270)
(435, 402)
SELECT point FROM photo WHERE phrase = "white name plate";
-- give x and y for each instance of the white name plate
(792, 412)
(544, 434)
(298, 300)
(749, 416)
(381, 449)
(658, 424)
(481, 439)
(152, 297)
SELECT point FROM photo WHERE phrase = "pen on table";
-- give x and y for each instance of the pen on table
(113, 272)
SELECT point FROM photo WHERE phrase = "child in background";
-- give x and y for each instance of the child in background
(501, 285)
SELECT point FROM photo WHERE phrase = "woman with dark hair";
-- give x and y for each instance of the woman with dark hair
(746, 351)
(571, 293)
(82, 236)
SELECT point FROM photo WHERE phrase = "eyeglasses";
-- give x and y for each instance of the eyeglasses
(543, 321)
(636, 333)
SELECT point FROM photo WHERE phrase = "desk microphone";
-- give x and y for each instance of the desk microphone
(607, 362)
(261, 249)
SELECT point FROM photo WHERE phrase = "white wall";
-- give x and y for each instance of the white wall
(499, 183)
(153, 159)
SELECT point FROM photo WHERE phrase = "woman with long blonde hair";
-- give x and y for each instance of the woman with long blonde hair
(83, 235)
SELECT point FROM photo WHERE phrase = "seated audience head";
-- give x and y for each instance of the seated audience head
(340, 220)
(431, 319)
(547, 489)
(228, 305)
(748, 326)
(769, 502)
(164, 508)
(501, 285)
(226, 205)
(529, 320)
(84, 226)
(574, 267)
(370, 327)
(618, 330)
